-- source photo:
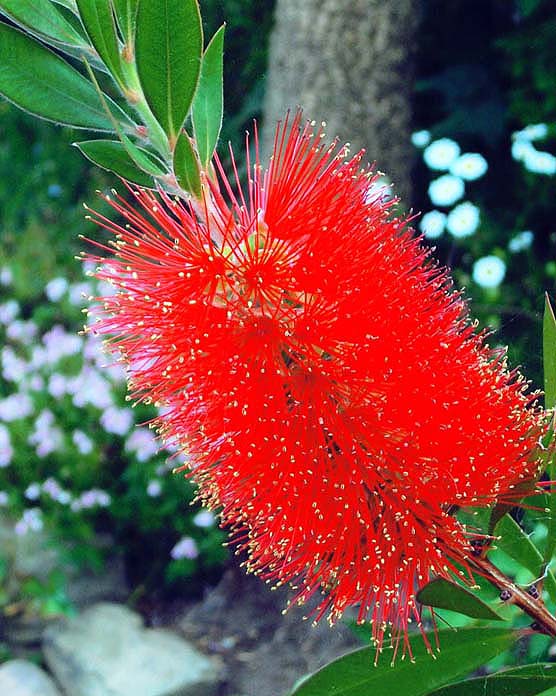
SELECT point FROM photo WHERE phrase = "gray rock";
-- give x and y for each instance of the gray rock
(36, 554)
(106, 651)
(22, 678)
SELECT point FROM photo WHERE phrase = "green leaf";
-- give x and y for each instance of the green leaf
(549, 354)
(146, 164)
(69, 4)
(169, 44)
(501, 509)
(460, 653)
(443, 594)
(516, 544)
(208, 104)
(42, 18)
(186, 165)
(112, 155)
(529, 680)
(126, 12)
(98, 20)
(38, 81)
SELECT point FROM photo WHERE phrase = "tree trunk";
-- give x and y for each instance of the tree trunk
(348, 63)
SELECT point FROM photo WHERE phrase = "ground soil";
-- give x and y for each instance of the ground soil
(263, 652)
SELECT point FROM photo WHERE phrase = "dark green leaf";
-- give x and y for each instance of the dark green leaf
(98, 20)
(38, 81)
(521, 681)
(112, 155)
(69, 4)
(126, 12)
(144, 161)
(42, 17)
(549, 354)
(169, 44)
(146, 164)
(516, 544)
(442, 594)
(460, 653)
(186, 165)
(208, 104)
(500, 509)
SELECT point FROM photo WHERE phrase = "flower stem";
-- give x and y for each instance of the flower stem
(544, 621)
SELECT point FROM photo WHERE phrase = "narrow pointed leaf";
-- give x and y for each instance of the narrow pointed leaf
(98, 20)
(186, 166)
(516, 544)
(168, 47)
(69, 4)
(126, 13)
(112, 156)
(38, 81)
(136, 154)
(42, 18)
(549, 365)
(442, 594)
(141, 157)
(521, 681)
(460, 653)
(208, 104)
(549, 354)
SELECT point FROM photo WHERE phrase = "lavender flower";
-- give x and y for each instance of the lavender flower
(15, 407)
(33, 491)
(6, 276)
(8, 311)
(83, 443)
(185, 548)
(204, 519)
(117, 420)
(6, 450)
(22, 331)
(143, 443)
(14, 368)
(55, 289)
(154, 488)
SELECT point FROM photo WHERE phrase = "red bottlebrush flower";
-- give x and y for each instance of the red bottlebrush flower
(333, 397)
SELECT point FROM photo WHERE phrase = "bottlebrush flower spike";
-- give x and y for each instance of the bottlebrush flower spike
(333, 397)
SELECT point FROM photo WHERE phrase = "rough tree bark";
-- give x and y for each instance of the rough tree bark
(349, 63)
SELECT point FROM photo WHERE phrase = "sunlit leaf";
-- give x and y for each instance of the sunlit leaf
(40, 82)
(186, 165)
(69, 4)
(168, 47)
(98, 20)
(42, 17)
(208, 104)
(529, 680)
(442, 594)
(460, 653)
(126, 13)
(516, 544)
(112, 156)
